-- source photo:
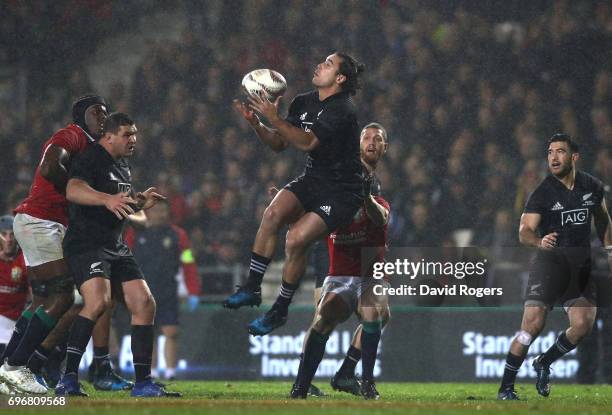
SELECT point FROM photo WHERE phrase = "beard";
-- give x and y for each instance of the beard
(565, 170)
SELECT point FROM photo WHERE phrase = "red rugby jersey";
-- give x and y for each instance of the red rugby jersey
(345, 244)
(13, 287)
(44, 201)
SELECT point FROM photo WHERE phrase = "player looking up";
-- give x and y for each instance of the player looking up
(324, 124)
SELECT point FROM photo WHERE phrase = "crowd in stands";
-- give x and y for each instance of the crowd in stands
(469, 98)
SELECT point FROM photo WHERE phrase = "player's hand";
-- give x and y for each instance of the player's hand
(119, 204)
(272, 192)
(266, 108)
(246, 112)
(549, 241)
(148, 198)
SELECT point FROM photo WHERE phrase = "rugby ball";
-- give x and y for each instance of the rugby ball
(265, 81)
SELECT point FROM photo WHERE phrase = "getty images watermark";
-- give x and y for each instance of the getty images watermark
(468, 276)
(425, 269)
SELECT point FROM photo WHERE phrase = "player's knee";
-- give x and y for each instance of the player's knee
(323, 324)
(295, 242)
(533, 325)
(146, 304)
(272, 218)
(61, 303)
(98, 306)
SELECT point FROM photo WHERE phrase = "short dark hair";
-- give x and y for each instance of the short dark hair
(115, 120)
(566, 138)
(352, 69)
(378, 126)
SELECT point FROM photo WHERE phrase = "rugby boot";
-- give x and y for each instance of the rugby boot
(151, 389)
(41, 379)
(543, 376)
(368, 390)
(314, 391)
(5, 389)
(21, 379)
(298, 392)
(243, 296)
(69, 386)
(508, 394)
(106, 379)
(346, 383)
(263, 325)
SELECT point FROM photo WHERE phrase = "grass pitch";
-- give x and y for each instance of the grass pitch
(269, 398)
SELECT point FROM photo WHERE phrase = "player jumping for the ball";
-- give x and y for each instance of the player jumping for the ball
(557, 221)
(324, 124)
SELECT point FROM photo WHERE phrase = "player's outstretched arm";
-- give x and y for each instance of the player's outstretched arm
(267, 135)
(53, 166)
(80, 192)
(300, 139)
(528, 235)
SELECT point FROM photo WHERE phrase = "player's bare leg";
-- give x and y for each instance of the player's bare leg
(581, 316)
(170, 348)
(300, 237)
(534, 318)
(284, 209)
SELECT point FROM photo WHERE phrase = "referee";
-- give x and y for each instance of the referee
(557, 221)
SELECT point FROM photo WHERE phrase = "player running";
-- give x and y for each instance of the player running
(324, 124)
(347, 289)
(557, 221)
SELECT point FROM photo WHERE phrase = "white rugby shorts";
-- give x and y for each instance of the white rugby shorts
(39, 239)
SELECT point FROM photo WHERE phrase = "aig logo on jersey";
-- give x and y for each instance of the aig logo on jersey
(574, 217)
(124, 187)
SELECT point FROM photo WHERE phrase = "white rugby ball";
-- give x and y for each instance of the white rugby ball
(266, 81)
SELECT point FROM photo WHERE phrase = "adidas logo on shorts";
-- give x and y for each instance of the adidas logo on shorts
(326, 209)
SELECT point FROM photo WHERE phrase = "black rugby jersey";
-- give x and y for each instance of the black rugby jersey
(567, 212)
(334, 122)
(95, 227)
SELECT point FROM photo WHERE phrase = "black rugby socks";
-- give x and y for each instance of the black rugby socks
(142, 351)
(40, 326)
(313, 354)
(20, 328)
(257, 269)
(285, 296)
(80, 333)
(370, 337)
(513, 364)
(561, 347)
(353, 356)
